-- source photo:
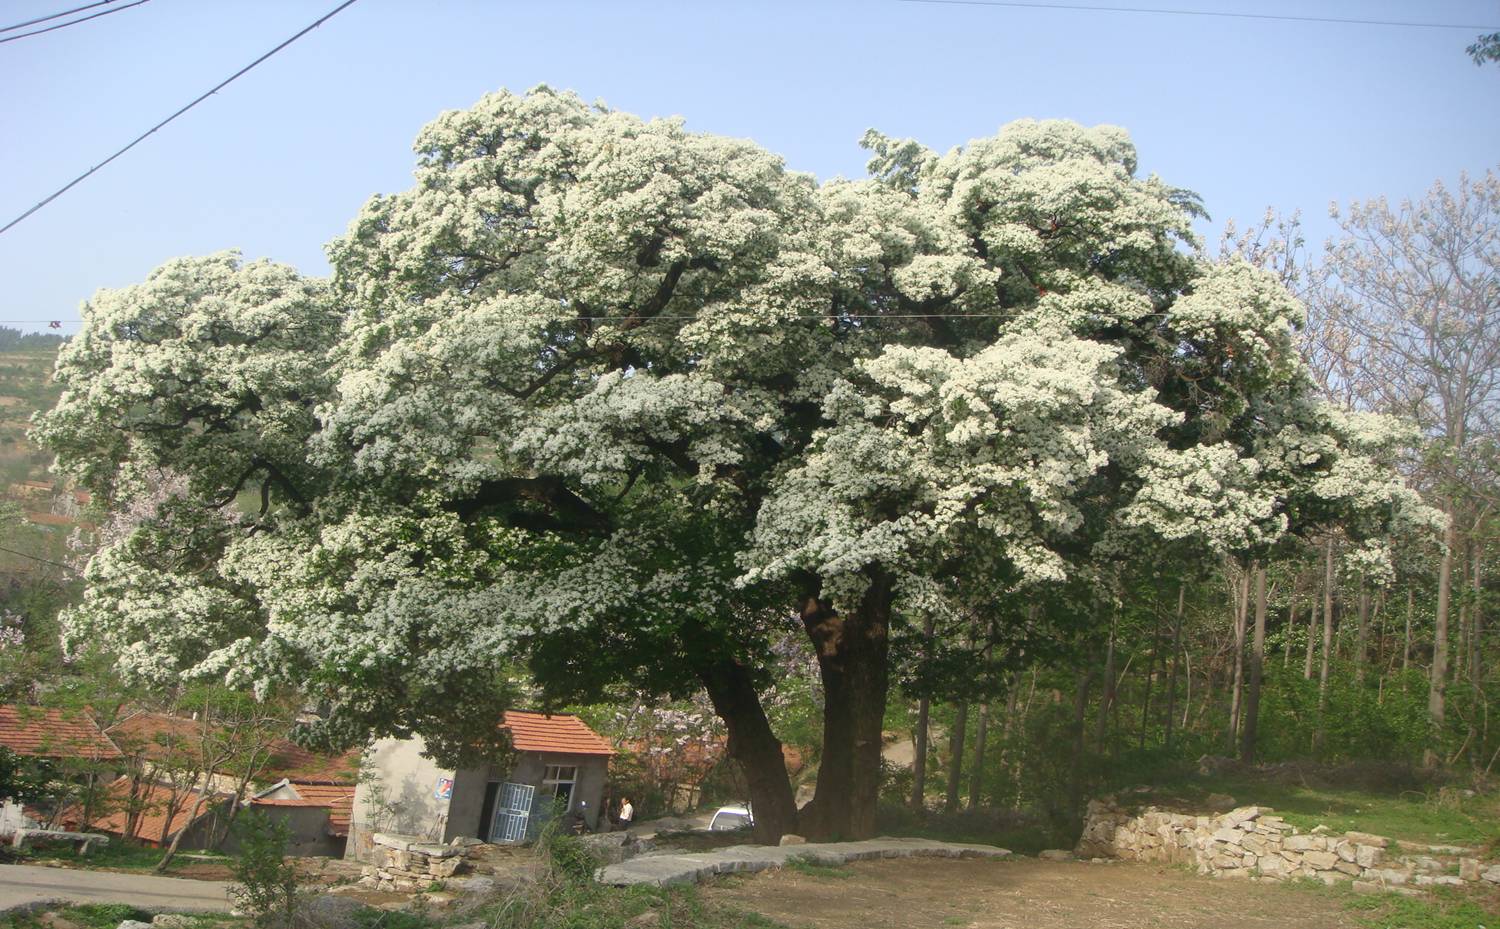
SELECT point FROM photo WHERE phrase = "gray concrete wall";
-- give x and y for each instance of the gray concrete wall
(467, 803)
(395, 794)
(531, 767)
(307, 831)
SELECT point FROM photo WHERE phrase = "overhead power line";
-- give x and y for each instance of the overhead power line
(43, 19)
(71, 22)
(209, 93)
(1089, 8)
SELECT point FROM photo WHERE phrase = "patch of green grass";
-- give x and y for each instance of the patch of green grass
(116, 855)
(1440, 908)
(811, 867)
(85, 915)
(1444, 910)
(586, 905)
(1407, 815)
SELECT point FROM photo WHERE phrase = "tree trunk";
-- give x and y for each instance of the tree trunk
(853, 655)
(1438, 677)
(1241, 617)
(1291, 625)
(919, 738)
(755, 747)
(1362, 644)
(1257, 660)
(1150, 675)
(1176, 652)
(1406, 643)
(1080, 711)
(1319, 734)
(956, 757)
(1312, 635)
(976, 776)
(1476, 649)
(1107, 694)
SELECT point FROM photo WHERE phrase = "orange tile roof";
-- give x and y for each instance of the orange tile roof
(151, 826)
(339, 798)
(562, 733)
(302, 766)
(156, 735)
(54, 733)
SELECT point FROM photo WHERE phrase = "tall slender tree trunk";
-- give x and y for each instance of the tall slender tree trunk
(1080, 713)
(1476, 648)
(1107, 693)
(1176, 652)
(1406, 642)
(1150, 673)
(1438, 676)
(1362, 645)
(956, 756)
(853, 663)
(1312, 634)
(752, 743)
(919, 738)
(1241, 615)
(1291, 625)
(1320, 732)
(976, 776)
(1253, 678)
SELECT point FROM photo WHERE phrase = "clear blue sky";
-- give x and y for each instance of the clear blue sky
(1248, 113)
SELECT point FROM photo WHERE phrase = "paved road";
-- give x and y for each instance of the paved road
(25, 883)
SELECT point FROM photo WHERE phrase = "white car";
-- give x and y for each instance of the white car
(728, 818)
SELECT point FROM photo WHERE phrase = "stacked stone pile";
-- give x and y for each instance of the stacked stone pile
(1250, 842)
(406, 864)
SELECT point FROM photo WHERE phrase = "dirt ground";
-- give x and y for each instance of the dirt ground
(1024, 893)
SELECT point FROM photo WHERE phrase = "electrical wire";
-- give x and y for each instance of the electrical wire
(57, 564)
(142, 137)
(1221, 13)
(72, 22)
(43, 19)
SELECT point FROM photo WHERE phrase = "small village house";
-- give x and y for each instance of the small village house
(71, 739)
(559, 764)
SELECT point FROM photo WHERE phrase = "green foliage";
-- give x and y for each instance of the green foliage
(568, 858)
(266, 879)
(23, 778)
(811, 867)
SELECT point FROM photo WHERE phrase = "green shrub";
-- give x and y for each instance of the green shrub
(266, 882)
(569, 858)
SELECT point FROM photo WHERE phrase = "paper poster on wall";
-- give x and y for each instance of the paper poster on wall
(444, 789)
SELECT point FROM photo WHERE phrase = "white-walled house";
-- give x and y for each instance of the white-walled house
(559, 761)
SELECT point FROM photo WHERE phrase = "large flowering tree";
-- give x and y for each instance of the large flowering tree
(613, 399)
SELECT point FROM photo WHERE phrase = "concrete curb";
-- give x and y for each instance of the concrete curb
(661, 870)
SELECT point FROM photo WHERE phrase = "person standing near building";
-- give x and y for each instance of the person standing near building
(627, 813)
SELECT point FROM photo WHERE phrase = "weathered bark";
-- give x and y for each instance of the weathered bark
(752, 743)
(976, 776)
(1241, 619)
(1291, 624)
(853, 662)
(1318, 733)
(1107, 694)
(1476, 648)
(1253, 677)
(1406, 642)
(1176, 651)
(1362, 643)
(956, 757)
(1080, 712)
(919, 738)
(1150, 675)
(1312, 635)
(1438, 677)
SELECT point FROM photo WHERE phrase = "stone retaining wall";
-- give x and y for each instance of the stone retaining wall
(406, 864)
(1250, 842)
